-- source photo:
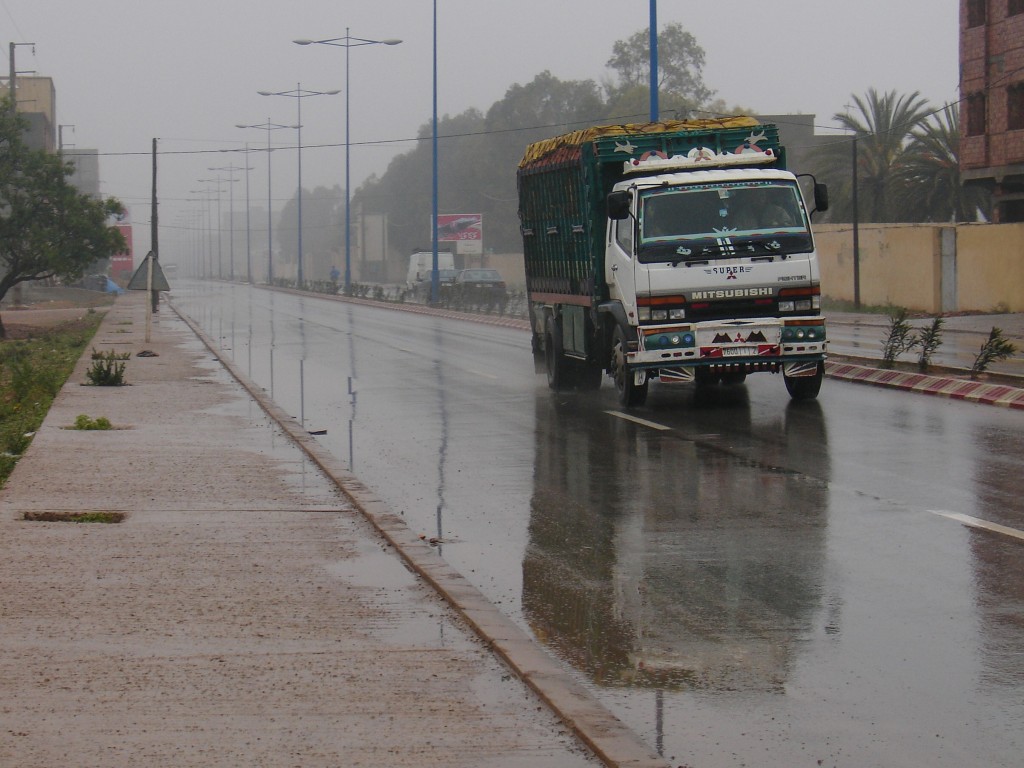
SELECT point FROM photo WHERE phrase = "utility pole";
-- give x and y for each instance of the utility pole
(153, 233)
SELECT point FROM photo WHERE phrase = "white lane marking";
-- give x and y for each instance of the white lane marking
(641, 422)
(974, 522)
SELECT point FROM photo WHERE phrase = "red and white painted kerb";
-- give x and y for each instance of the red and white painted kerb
(943, 386)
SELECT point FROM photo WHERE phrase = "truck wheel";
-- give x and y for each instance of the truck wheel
(560, 368)
(805, 387)
(629, 392)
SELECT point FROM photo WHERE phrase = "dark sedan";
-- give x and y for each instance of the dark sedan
(479, 288)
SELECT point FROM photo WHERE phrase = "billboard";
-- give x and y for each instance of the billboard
(466, 230)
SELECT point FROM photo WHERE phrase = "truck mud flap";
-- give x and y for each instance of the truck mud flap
(803, 368)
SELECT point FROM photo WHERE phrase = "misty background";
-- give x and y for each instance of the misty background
(188, 73)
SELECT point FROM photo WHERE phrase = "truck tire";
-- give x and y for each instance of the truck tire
(805, 387)
(560, 368)
(629, 392)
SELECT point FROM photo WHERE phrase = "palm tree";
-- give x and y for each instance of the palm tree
(882, 127)
(931, 174)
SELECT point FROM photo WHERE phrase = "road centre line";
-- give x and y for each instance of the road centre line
(636, 420)
(974, 522)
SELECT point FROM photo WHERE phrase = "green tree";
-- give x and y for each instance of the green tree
(47, 227)
(323, 231)
(933, 189)
(681, 86)
(883, 125)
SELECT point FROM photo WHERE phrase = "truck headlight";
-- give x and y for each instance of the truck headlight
(677, 314)
(786, 306)
(643, 313)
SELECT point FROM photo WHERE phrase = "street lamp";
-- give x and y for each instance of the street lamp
(347, 42)
(268, 127)
(220, 223)
(299, 93)
(231, 214)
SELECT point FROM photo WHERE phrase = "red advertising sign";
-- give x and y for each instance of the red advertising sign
(460, 226)
(123, 264)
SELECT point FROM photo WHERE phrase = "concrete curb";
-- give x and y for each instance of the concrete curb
(609, 739)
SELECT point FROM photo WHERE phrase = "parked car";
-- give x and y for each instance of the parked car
(479, 288)
(445, 278)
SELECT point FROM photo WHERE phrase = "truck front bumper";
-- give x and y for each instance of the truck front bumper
(791, 345)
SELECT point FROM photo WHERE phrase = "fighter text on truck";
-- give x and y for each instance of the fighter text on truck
(670, 251)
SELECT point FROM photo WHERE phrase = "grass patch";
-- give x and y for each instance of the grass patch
(74, 517)
(32, 371)
(86, 423)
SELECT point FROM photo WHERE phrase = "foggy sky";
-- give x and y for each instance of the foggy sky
(187, 72)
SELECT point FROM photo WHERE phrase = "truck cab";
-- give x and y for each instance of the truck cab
(717, 273)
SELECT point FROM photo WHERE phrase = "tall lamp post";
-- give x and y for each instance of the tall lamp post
(268, 127)
(347, 42)
(299, 93)
(230, 169)
(220, 223)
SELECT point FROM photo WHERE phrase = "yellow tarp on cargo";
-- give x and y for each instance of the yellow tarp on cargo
(540, 149)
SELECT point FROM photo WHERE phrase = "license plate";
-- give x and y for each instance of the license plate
(738, 351)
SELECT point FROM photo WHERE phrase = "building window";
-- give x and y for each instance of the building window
(976, 12)
(1015, 107)
(1015, 7)
(976, 114)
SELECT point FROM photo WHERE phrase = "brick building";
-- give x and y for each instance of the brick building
(992, 89)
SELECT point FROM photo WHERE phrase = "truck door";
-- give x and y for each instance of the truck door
(620, 265)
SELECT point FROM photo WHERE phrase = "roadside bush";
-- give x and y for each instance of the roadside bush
(107, 369)
(899, 339)
(996, 347)
(929, 340)
(84, 422)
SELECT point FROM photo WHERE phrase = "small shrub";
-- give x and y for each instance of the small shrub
(107, 369)
(900, 338)
(996, 347)
(84, 422)
(929, 340)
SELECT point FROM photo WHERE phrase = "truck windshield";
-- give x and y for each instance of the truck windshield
(720, 220)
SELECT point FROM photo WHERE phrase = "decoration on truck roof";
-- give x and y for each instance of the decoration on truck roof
(746, 153)
(541, 149)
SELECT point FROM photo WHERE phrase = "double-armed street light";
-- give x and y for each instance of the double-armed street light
(218, 189)
(268, 127)
(299, 93)
(347, 42)
(230, 169)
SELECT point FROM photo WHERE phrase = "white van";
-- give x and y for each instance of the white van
(422, 262)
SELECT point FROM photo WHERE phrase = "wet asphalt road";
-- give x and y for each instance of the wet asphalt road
(743, 580)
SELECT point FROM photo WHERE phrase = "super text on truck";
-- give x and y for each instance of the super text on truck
(672, 252)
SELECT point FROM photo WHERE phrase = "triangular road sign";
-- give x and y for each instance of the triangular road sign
(140, 280)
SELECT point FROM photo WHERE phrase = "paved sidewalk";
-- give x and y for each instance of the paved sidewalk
(246, 611)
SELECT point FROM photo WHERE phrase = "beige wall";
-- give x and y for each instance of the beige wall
(902, 265)
(990, 267)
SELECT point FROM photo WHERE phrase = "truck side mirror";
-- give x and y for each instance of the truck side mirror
(820, 197)
(618, 205)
